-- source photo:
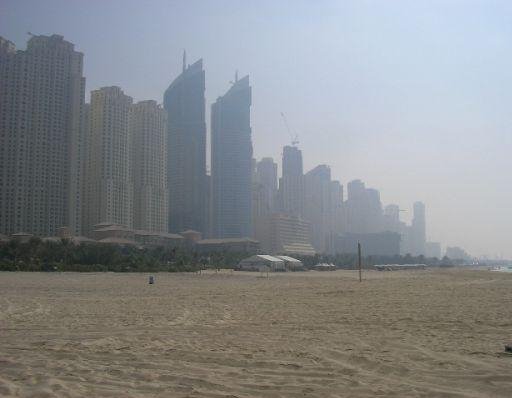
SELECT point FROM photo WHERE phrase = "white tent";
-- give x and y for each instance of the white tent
(262, 263)
(292, 264)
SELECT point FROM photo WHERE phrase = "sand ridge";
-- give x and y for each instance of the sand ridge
(230, 334)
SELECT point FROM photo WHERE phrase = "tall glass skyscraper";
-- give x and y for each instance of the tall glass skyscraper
(232, 162)
(186, 148)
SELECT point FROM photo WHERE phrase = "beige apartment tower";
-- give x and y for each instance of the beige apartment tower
(148, 128)
(109, 182)
(41, 136)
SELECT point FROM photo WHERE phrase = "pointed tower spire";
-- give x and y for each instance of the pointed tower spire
(236, 75)
(184, 60)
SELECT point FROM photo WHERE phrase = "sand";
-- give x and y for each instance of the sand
(435, 333)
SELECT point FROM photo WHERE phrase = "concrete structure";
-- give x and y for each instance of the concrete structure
(41, 136)
(109, 182)
(262, 263)
(231, 152)
(184, 102)
(148, 126)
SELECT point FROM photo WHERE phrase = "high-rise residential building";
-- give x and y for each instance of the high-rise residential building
(148, 131)
(418, 229)
(336, 204)
(391, 218)
(316, 205)
(363, 209)
(291, 185)
(184, 102)
(231, 152)
(41, 136)
(266, 176)
(264, 191)
(109, 181)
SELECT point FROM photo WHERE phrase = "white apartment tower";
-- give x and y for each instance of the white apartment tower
(109, 182)
(41, 136)
(148, 127)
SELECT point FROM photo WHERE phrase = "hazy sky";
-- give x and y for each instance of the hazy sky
(413, 97)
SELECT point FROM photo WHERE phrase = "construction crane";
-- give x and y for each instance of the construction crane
(294, 137)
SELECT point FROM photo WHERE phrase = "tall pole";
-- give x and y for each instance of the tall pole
(359, 259)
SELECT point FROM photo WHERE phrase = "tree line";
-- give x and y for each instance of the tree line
(39, 255)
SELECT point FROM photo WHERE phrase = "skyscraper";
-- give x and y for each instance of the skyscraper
(316, 204)
(109, 182)
(418, 229)
(363, 209)
(186, 147)
(264, 192)
(41, 136)
(291, 185)
(231, 162)
(266, 176)
(148, 127)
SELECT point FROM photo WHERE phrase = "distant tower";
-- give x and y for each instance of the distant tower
(363, 209)
(266, 176)
(418, 229)
(291, 186)
(186, 147)
(232, 162)
(317, 205)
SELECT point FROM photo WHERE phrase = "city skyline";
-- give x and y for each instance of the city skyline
(467, 195)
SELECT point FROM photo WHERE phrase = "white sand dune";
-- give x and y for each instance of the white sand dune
(410, 334)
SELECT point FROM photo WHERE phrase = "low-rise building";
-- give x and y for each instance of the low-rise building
(286, 234)
(234, 245)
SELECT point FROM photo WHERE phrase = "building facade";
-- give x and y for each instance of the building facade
(184, 102)
(41, 136)
(109, 181)
(148, 127)
(231, 163)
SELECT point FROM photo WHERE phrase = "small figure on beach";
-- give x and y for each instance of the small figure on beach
(151, 279)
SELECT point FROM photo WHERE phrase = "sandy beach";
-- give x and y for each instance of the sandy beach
(435, 333)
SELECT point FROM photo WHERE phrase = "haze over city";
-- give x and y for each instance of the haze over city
(411, 97)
